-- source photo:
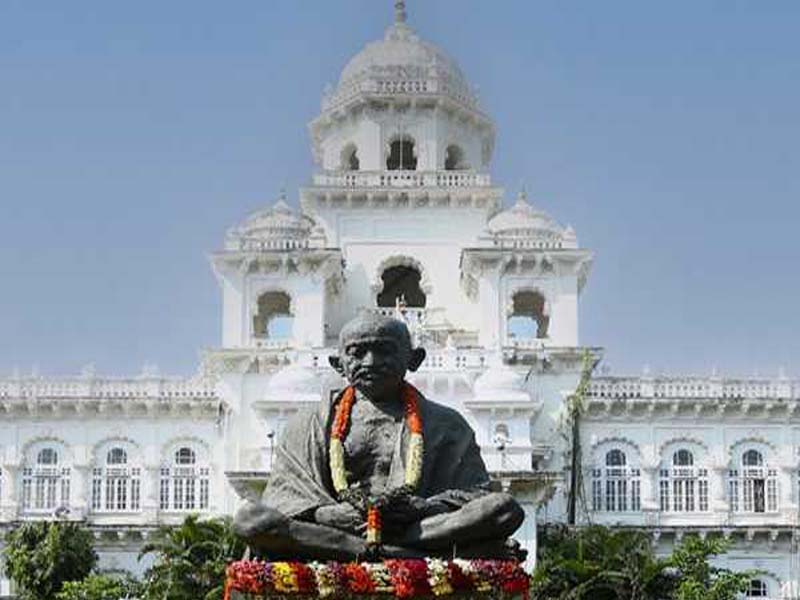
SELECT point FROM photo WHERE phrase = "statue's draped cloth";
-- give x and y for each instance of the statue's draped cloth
(300, 480)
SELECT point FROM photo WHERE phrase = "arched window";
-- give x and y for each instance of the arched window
(45, 483)
(502, 436)
(184, 482)
(401, 284)
(273, 319)
(616, 487)
(752, 485)
(402, 155)
(527, 319)
(350, 161)
(757, 589)
(454, 159)
(116, 483)
(683, 487)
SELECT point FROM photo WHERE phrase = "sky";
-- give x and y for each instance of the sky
(133, 134)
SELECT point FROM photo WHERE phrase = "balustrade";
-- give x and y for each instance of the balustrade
(402, 179)
(693, 388)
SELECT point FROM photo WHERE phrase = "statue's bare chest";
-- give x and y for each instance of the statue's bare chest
(370, 445)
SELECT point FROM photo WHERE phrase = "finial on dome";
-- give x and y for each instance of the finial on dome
(400, 14)
(522, 197)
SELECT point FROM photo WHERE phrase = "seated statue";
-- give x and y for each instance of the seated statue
(379, 471)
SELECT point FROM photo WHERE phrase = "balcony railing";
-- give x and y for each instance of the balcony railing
(403, 179)
(693, 388)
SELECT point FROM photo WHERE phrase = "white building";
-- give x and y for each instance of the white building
(402, 218)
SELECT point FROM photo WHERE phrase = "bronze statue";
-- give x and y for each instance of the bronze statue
(379, 455)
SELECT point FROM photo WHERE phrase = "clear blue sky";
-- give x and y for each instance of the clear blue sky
(132, 134)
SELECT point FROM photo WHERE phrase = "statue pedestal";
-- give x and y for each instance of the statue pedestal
(399, 578)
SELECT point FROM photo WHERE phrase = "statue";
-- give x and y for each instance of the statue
(379, 471)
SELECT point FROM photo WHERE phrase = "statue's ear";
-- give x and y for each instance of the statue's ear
(417, 358)
(336, 363)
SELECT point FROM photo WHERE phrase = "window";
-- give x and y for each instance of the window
(527, 319)
(402, 155)
(116, 484)
(752, 485)
(350, 161)
(683, 487)
(402, 284)
(757, 589)
(46, 483)
(454, 159)
(184, 483)
(273, 318)
(617, 487)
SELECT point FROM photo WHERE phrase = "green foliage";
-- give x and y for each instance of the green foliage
(41, 556)
(190, 560)
(599, 564)
(99, 587)
(699, 580)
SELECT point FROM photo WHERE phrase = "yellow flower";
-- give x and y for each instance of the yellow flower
(284, 577)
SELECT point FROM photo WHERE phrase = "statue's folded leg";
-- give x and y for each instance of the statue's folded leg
(492, 517)
(274, 535)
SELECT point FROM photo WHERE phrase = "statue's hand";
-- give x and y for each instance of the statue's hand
(341, 516)
(404, 508)
(452, 500)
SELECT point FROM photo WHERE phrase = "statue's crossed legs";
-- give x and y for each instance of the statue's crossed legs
(471, 531)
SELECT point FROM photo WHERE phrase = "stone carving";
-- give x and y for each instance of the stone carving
(379, 470)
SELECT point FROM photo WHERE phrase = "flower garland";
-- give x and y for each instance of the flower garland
(401, 578)
(414, 456)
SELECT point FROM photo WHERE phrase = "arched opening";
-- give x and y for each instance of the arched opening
(273, 318)
(116, 485)
(616, 485)
(350, 160)
(528, 319)
(45, 482)
(185, 482)
(454, 159)
(402, 155)
(753, 485)
(401, 285)
(502, 436)
(682, 487)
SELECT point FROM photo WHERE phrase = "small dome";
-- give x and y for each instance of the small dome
(402, 63)
(294, 379)
(524, 223)
(275, 228)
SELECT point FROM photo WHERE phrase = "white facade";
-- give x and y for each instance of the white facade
(402, 218)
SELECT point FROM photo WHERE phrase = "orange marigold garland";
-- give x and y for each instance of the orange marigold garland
(414, 456)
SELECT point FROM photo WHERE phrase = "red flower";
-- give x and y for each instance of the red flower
(458, 580)
(409, 577)
(306, 582)
(358, 580)
(246, 576)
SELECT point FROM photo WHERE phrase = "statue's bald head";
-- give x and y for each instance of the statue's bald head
(374, 354)
(374, 326)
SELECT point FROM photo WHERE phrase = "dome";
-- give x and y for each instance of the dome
(524, 225)
(275, 228)
(401, 63)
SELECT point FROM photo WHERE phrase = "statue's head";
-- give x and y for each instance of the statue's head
(374, 354)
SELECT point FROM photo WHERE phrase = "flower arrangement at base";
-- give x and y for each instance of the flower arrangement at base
(401, 578)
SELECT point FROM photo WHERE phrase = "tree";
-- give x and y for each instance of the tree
(41, 556)
(598, 563)
(190, 559)
(699, 579)
(98, 587)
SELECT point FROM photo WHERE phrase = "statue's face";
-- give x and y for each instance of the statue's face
(375, 355)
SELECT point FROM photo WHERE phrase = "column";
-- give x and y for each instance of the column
(151, 486)
(79, 502)
(11, 498)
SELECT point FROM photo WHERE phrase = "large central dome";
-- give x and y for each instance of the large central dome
(402, 63)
